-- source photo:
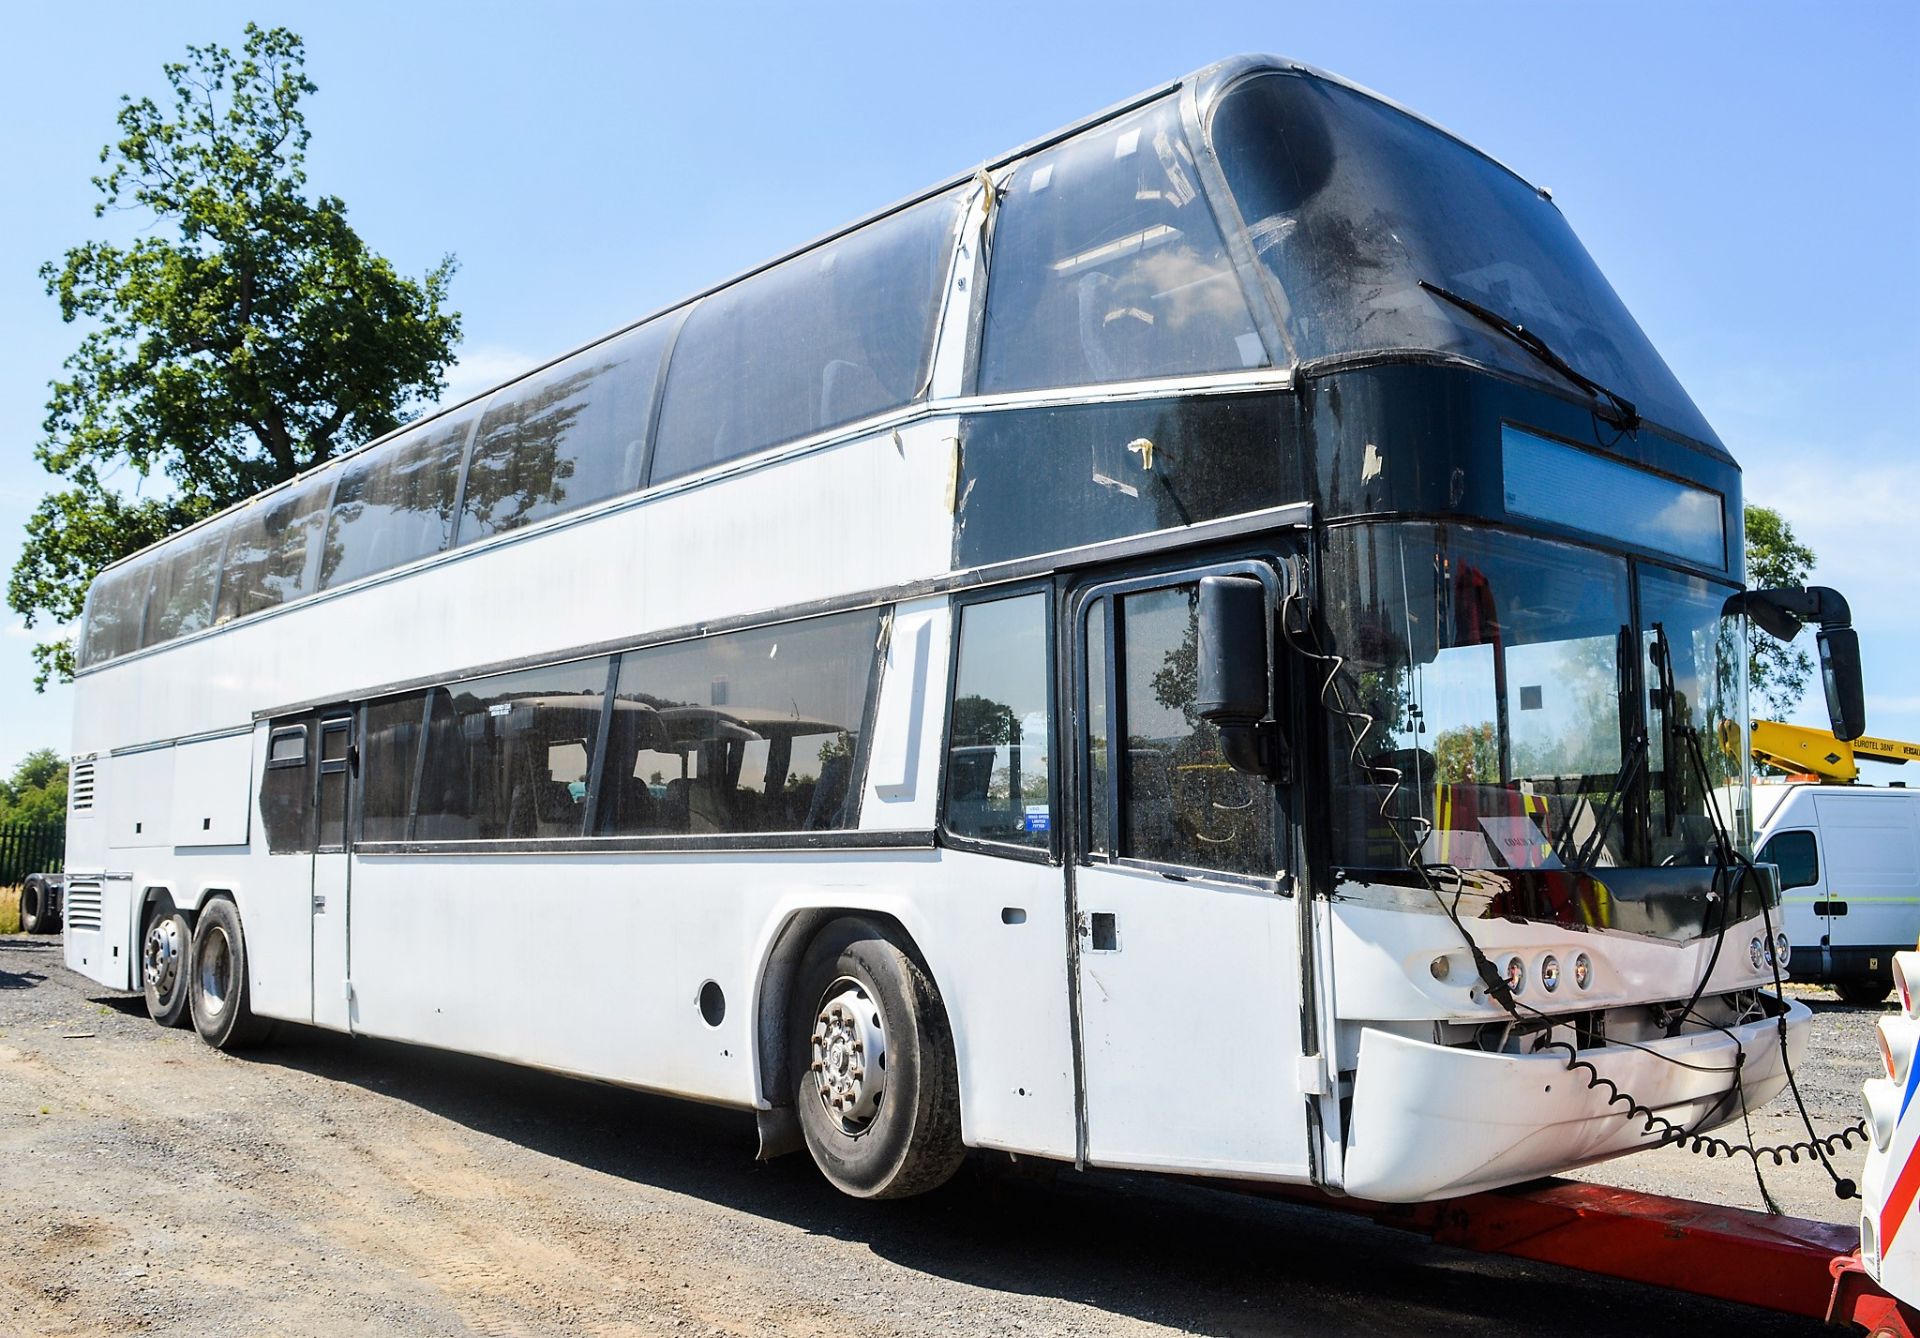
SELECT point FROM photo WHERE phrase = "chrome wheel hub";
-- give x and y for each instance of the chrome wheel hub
(161, 954)
(216, 966)
(849, 1055)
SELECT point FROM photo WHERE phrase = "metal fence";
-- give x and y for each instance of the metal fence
(25, 849)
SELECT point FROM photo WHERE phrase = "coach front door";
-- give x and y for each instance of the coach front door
(1187, 950)
(333, 810)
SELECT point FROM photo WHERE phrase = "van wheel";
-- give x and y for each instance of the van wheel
(1863, 991)
(164, 946)
(37, 915)
(875, 1081)
(217, 981)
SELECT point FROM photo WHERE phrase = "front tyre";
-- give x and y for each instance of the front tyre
(37, 915)
(164, 948)
(217, 981)
(875, 1081)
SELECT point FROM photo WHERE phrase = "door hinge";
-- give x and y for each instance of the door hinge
(1310, 1071)
(319, 902)
(346, 990)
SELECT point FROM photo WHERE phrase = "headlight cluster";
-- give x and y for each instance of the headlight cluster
(1548, 973)
(1764, 952)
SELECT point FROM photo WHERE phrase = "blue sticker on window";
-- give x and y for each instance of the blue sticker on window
(1039, 820)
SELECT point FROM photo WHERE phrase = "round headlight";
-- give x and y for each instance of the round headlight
(1583, 971)
(1782, 950)
(1550, 974)
(1516, 974)
(1758, 951)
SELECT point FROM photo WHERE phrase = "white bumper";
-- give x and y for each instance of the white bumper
(1435, 1122)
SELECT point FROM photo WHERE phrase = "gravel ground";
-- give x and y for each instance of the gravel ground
(335, 1186)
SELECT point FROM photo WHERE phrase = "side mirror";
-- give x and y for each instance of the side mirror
(1234, 670)
(1840, 675)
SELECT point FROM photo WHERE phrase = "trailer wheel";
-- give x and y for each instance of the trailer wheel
(217, 981)
(37, 915)
(876, 1085)
(164, 949)
(1863, 991)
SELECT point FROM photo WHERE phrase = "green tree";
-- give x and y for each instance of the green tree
(1778, 672)
(37, 790)
(246, 336)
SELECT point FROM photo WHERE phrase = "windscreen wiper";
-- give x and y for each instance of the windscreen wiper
(1628, 775)
(1615, 408)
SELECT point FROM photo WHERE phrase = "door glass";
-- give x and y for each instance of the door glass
(1798, 858)
(1099, 784)
(998, 773)
(1181, 803)
(334, 740)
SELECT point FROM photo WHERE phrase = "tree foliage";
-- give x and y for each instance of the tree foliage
(247, 335)
(36, 793)
(1778, 671)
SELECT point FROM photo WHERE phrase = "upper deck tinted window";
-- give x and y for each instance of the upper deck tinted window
(566, 437)
(184, 575)
(1108, 266)
(267, 555)
(837, 334)
(395, 503)
(116, 609)
(1351, 204)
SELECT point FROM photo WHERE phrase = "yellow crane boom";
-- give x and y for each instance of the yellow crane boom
(1798, 749)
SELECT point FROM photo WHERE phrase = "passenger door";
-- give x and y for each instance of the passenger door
(1187, 953)
(333, 812)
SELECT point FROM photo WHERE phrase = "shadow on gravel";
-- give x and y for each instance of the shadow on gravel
(19, 980)
(1157, 1250)
(127, 1005)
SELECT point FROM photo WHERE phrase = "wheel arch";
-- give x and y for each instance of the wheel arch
(773, 1000)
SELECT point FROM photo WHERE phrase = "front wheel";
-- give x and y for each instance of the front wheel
(37, 915)
(217, 981)
(163, 966)
(876, 1085)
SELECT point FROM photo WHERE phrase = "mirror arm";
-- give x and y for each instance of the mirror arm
(1255, 748)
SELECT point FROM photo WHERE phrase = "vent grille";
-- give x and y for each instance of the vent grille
(80, 787)
(83, 903)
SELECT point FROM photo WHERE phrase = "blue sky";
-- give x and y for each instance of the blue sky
(1744, 173)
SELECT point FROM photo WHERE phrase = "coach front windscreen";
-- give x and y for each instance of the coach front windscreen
(1358, 211)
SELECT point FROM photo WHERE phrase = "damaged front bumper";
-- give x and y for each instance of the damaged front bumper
(1433, 1121)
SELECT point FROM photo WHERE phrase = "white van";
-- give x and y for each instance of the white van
(1849, 858)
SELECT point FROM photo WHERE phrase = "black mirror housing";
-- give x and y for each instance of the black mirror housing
(1234, 673)
(1840, 676)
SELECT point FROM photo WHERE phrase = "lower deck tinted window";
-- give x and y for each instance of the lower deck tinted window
(752, 731)
(999, 775)
(389, 756)
(508, 756)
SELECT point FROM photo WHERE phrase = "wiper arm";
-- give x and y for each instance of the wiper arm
(1629, 771)
(1614, 407)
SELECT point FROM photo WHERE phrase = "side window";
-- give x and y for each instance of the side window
(395, 503)
(837, 334)
(267, 555)
(184, 575)
(116, 610)
(334, 782)
(286, 790)
(566, 437)
(1178, 801)
(999, 773)
(743, 732)
(1797, 854)
(492, 748)
(1107, 266)
(389, 757)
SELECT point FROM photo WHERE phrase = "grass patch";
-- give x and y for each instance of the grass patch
(9, 910)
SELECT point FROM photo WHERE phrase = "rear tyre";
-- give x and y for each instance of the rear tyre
(217, 981)
(1863, 991)
(165, 946)
(876, 1086)
(37, 915)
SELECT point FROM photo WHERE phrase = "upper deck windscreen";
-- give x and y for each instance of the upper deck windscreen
(1351, 204)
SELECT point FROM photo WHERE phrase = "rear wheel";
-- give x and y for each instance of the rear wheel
(1863, 991)
(876, 1085)
(164, 946)
(217, 981)
(37, 915)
